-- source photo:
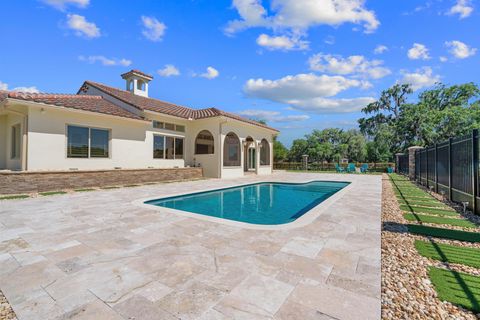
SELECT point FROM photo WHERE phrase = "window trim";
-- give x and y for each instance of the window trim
(240, 156)
(164, 147)
(89, 141)
(164, 123)
(195, 146)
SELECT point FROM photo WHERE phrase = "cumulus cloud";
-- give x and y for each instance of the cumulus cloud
(355, 65)
(32, 89)
(420, 78)
(82, 27)
(153, 29)
(109, 62)
(301, 14)
(418, 52)
(380, 49)
(169, 71)
(211, 73)
(273, 116)
(63, 4)
(307, 92)
(463, 8)
(281, 42)
(460, 50)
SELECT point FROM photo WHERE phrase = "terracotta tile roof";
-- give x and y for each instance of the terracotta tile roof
(74, 101)
(134, 71)
(167, 108)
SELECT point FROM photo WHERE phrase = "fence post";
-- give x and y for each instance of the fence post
(474, 169)
(450, 169)
(436, 168)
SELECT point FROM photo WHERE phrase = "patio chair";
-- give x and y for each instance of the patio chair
(338, 168)
(364, 168)
(351, 168)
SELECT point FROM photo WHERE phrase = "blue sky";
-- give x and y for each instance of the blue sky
(300, 64)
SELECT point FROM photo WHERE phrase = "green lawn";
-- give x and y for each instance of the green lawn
(448, 253)
(51, 193)
(435, 211)
(439, 220)
(18, 196)
(444, 233)
(84, 190)
(458, 288)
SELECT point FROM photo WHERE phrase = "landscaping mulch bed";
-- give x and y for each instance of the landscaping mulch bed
(407, 292)
(6, 312)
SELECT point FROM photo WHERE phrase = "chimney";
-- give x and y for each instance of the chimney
(137, 82)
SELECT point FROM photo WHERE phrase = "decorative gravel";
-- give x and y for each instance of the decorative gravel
(6, 312)
(407, 292)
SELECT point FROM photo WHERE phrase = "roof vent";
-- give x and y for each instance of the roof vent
(137, 82)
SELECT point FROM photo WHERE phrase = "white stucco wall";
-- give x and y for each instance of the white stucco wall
(3, 142)
(131, 142)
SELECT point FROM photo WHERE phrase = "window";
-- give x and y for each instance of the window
(264, 153)
(231, 150)
(158, 147)
(83, 142)
(168, 126)
(165, 147)
(16, 136)
(204, 143)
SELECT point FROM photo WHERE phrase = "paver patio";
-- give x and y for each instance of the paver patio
(97, 255)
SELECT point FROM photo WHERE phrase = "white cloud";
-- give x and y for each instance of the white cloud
(62, 4)
(169, 71)
(281, 42)
(463, 8)
(443, 59)
(307, 92)
(32, 89)
(355, 65)
(460, 50)
(300, 15)
(273, 116)
(380, 49)
(418, 52)
(211, 73)
(421, 78)
(154, 30)
(109, 62)
(82, 27)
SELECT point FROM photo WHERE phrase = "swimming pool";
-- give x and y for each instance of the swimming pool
(265, 203)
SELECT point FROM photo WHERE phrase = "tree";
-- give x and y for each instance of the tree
(299, 148)
(280, 152)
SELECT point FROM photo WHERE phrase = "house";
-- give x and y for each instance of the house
(102, 127)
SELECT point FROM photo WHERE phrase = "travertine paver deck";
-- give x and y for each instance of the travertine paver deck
(96, 255)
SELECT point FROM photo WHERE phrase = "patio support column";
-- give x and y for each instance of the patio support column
(411, 161)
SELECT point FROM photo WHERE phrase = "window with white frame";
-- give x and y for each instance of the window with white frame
(16, 141)
(168, 126)
(167, 147)
(85, 142)
(231, 150)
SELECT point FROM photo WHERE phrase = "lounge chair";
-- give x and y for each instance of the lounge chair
(351, 168)
(364, 168)
(338, 168)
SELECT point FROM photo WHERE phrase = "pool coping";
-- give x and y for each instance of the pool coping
(307, 218)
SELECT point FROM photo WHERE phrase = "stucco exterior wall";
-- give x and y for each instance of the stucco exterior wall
(131, 142)
(3, 142)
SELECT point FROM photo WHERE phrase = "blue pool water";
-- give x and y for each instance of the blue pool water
(267, 203)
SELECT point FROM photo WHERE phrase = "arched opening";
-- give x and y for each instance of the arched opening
(204, 143)
(140, 85)
(264, 153)
(231, 150)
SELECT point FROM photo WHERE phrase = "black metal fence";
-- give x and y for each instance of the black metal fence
(451, 168)
(321, 166)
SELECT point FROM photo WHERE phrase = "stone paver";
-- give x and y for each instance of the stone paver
(97, 255)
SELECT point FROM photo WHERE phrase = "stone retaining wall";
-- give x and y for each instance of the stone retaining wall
(32, 182)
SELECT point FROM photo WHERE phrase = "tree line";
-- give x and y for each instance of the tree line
(392, 124)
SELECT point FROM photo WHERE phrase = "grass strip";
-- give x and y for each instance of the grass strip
(51, 193)
(444, 233)
(435, 211)
(456, 287)
(424, 204)
(84, 190)
(439, 220)
(18, 196)
(131, 185)
(449, 253)
(111, 187)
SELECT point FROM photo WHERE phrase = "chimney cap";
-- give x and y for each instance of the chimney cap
(137, 73)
